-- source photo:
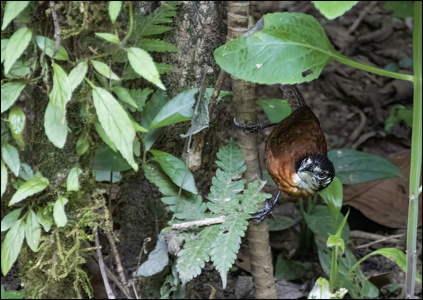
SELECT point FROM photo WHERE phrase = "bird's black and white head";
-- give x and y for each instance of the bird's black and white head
(314, 172)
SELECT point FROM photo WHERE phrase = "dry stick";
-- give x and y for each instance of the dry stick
(57, 29)
(360, 17)
(392, 237)
(204, 222)
(101, 265)
(118, 261)
(117, 282)
(244, 99)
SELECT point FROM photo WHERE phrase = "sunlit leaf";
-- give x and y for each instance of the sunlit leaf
(17, 125)
(16, 46)
(29, 188)
(11, 10)
(59, 213)
(11, 157)
(32, 231)
(108, 36)
(77, 74)
(4, 176)
(12, 245)
(48, 46)
(114, 9)
(124, 95)
(45, 218)
(10, 219)
(333, 195)
(55, 125)
(72, 182)
(104, 70)
(333, 9)
(10, 91)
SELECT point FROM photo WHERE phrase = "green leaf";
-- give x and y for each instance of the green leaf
(143, 64)
(157, 260)
(288, 269)
(19, 69)
(55, 125)
(32, 231)
(12, 245)
(353, 166)
(4, 43)
(333, 195)
(104, 136)
(145, 25)
(150, 111)
(140, 96)
(402, 9)
(289, 45)
(156, 29)
(114, 9)
(10, 91)
(124, 95)
(77, 75)
(108, 36)
(11, 10)
(16, 46)
(48, 46)
(156, 45)
(275, 109)
(59, 213)
(29, 188)
(107, 160)
(17, 125)
(176, 110)
(399, 113)
(72, 183)
(104, 70)
(11, 157)
(176, 170)
(194, 255)
(45, 218)
(333, 9)
(116, 123)
(105, 176)
(10, 219)
(62, 90)
(157, 176)
(25, 172)
(82, 144)
(3, 178)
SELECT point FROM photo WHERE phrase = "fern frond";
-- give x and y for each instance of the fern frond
(252, 196)
(226, 246)
(140, 96)
(156, 45)
(156, 29)
(163, 68)
(195, 254)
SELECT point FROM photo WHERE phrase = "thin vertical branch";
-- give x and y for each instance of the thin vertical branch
(244, 98)
(109, 291)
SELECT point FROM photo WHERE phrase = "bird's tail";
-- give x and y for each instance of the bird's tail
(293, 96)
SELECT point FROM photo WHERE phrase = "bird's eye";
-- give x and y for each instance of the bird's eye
(322, 174)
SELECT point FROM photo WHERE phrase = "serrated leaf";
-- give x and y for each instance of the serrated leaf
(17, 125)
(32, 231)
(29, 188)
(10, 219)
(289, 45)
(156, 29)
(108, 37)
(104, 70)
(11, 157)
(156, 45)
(59, 214)
(353, 166)
(4, 176)
(72, 182)
(12, 245)
(157, 259)
(116, 123)
(143, 64)
(11, 10)
(124, 95)
(10, 92)
(152, 108)
(194, 255)
(177, 171)
(55, 125)
(45, 218)
(144, 24)
(333, 9)
(114, 9)
(177, 110)
(77, 75)
(16, 46)
(140, 96)
(48, 46)
(157, 176)
(163, 68)
(275, 109)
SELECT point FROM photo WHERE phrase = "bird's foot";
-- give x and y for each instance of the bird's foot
(250, 128)
(261, 214)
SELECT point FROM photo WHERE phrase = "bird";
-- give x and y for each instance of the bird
(295, 152)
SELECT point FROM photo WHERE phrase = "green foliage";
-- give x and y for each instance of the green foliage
(399, 113)
(333, 9)
(402, 9)
(275, 109)
(11, 11)
(16, 46)
(10, 91)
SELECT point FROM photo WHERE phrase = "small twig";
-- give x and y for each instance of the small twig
(117, 259)
(376, 237)
(361, 16)
(217, 88)
(101, 265)
(204, 222)
(117, 282)
(57, 29)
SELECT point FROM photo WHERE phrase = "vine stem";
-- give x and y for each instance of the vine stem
(416, 155)
(349, 62)
(131, 24)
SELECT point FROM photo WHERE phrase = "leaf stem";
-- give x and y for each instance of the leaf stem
(416, 155)
(349, 62)
(333, 269)
(131, 23)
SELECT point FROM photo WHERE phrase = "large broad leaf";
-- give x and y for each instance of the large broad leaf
(72, 182)
(176, 170)
(62, 89)
(152, 108)
(355, 167)
(16, 46)
(11, 157)
(275, 109)
(290, 46)
(11, 10)
(59, 213)
(32, 231)
(17, 125)
(107, 160)
(55, 125)
(176, 110)
(143, 64)
(10, 91)
(48, 46)
(116, 123)
(10, 219)
(29, 188)
(12, 246)
(333, 9)
(77, 74)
